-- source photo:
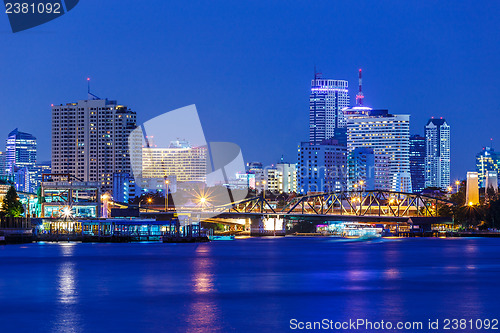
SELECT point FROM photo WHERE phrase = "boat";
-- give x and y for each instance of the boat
(221, 238)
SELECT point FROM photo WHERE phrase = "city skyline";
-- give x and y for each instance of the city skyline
(270, 85)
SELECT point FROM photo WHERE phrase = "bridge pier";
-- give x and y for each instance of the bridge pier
(267, 225)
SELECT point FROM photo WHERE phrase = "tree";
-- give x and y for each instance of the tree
(11, 206)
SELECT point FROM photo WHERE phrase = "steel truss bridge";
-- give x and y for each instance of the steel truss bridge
(353, 203)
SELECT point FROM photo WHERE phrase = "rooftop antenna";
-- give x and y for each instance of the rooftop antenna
(317, 75)
(359, 95)
(91, 96)
(491, 143)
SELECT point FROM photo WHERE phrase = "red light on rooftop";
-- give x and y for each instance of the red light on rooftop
(88, 79)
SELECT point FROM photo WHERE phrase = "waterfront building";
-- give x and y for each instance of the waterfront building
(326, 101)
(386, 134)
(180, 159)
(417, 162)
(487, 160)
(322, 168)
(20, 159)
(90, 140)
(472, 189)
(437, 158)
(68, 197)
(367, 170)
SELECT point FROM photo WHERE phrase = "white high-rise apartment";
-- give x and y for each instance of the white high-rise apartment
(437, 159)
(386, 134)
(90, 140)
(327, 99)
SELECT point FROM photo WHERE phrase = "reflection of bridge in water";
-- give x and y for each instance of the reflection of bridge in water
(381, 207)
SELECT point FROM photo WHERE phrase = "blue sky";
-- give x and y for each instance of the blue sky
(247, 66)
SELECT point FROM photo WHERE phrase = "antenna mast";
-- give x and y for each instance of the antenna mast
(359, 95)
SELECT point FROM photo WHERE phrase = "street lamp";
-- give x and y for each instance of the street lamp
(264, 189)
(167, 182)
(457, 183)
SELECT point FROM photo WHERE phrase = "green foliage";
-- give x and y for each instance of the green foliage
(11, 206)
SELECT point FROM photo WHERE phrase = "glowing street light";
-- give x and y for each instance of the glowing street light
(167, 182)
(457, 183)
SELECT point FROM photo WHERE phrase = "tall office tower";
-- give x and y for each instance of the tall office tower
(20, 150)
(90, 140)
(417, 162)
(437, 157)
(387, 135)
(327, 99)
(472, 189)
(367, 170)
(487, 160)
(322, 168)
(180, 159)
(20, 158)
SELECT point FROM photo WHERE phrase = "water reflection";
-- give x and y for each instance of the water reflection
(203, 313)
(67, 318)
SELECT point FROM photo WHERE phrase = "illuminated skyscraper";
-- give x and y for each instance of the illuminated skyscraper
(437, 159)
(387, 135)
(20, 150)
(487, 160)
(20, 159)
(90, 140)
(327, 99)
(417, 162)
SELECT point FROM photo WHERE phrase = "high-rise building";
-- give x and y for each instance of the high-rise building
(90, 140)
(417, 162)
(487, 160)
(188, 164)
(20, 149)
(322, 168)
(386, 134)
(367, 170)
(20, 159)
(437, 158)
(327, 99)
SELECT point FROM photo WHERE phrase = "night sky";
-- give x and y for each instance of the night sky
(247, 66)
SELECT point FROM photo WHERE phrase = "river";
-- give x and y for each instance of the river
(246, 285)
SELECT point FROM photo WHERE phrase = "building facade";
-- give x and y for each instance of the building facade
(327, 100)
(437, 158)
(186, 163)
(322, 168)
(367, 170)
(90, 140)
(417, 162)
(488, 160)
(20, 159)
(387, 134)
